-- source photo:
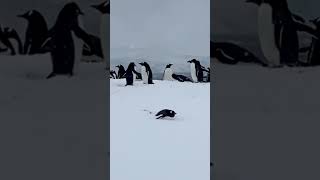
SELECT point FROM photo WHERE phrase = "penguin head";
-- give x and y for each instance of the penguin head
(142, 63)
(131, 66)
(29, 15)
(257, 2)
(69, 13)
(193, 61)
(104, 7)
(168, 65)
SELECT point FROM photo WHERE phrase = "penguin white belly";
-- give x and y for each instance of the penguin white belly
(144, 75)
(267, 35)
(78, 47)
(193, 72)
(168, 75)
(105, 37)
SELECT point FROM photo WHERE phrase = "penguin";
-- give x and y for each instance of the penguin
(278, 29)
(7, 34)
(61, 42)
(196, 70)
(230, 53)
(146, 73)
(168, 75)
(113, 74)
(314, 48)
(36, 32)
(121, 71)
(96, 50)
(130, 74)
(165, 113)
(104, 9)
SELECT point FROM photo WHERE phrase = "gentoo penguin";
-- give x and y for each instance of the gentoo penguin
(8, 34)
(230, 53)
(36, 32)
(121, 71)
(61, 41)
(278, 32)
(196, 70)
(130, 74)
(314, 48)
(104, 9)
(168, 75)
(165, 113)
(146, 73)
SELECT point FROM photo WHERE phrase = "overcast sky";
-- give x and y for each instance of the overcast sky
(179, 25)
(238, 17)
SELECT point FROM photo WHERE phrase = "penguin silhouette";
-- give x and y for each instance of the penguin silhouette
(61, 43)
(121, 71)
(36, 32)
(104, 9)
(7, 34)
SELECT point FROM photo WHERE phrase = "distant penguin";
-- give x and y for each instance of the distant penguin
(230, 53)
(165, 113)
(196, 70)
(168, 75)
(61, 42)
(121, 71)
(130, 74)
(208, 75)
(277, 28)
(6, 37)
(36, 32)
(146, 73)
(104, 9)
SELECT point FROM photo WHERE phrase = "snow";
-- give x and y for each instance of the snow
(143, 147)
(62, 120)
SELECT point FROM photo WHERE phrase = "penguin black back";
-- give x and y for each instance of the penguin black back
(36, 32)
(149, 72)
(129, 74)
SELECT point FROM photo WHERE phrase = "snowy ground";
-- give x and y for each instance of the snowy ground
(266, 122)
(52, 127)
(145, 148)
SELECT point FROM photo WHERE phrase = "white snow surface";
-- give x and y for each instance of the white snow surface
(145, 148)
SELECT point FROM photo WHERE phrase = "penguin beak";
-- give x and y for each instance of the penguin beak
(141, 64)
(189, 61)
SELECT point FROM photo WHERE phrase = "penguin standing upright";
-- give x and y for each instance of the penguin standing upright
(130, 74)
(121, 71)
(278, 32)
(146, 73)
(196, 70)
(78, 46)
(104, 8)
(208, 75)
(36, 32)
(61, 42)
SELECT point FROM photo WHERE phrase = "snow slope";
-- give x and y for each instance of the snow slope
(145, 148)
(62, 120)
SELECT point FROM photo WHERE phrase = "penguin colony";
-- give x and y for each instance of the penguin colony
(66, 41)
(278, 31)
(196, 71)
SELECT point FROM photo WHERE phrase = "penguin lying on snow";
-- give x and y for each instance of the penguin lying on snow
(230, 53)
(165, 113)
(196, 70)
(146, 73)
(36, 32)
(121, 71)
(168, 75)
